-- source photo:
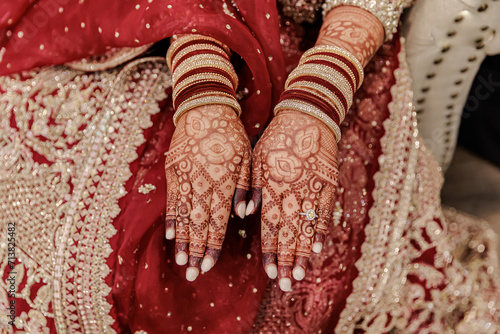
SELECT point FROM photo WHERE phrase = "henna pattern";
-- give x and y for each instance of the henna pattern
(295, 169)
(209, 158)
(353, 29)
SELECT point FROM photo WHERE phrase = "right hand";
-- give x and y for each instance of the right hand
(209, 157)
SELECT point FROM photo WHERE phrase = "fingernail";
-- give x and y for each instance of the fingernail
(250, 207)
(191, 273)
(241, 210)
(299, 273)
(181, 258)
(285, 284)
(170, 234)
(317, 247)
(271, 271)
(207, 264)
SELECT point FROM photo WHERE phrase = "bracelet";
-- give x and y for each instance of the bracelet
(335, 60)
(199, 88)
(213, 99)
(339, 51)
(318, 90)
(189, 39)
(310, 110)
(325, 73)
(205, 63)
(201, 74)
(198, 48)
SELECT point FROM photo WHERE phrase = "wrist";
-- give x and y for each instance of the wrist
(354, 29)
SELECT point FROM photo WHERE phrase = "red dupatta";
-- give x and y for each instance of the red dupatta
(49, 32)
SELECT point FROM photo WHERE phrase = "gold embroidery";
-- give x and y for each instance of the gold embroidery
(66, 139)
(147, 188)
(396, 291)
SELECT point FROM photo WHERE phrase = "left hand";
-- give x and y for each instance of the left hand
(294, 170)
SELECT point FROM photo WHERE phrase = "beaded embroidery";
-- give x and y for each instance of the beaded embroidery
(83, 131)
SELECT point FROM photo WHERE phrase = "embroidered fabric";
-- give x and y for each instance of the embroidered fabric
(302, 10)
(387, 11)
(420, 270)
(65, 159)
(110, 59)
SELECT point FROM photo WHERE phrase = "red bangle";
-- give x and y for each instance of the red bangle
(191, 90)
(335, 67)
(293, 94)
(331, 87)
(345, 61)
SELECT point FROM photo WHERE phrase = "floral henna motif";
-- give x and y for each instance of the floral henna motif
(295, 169)
(353, 29)
(209, 158)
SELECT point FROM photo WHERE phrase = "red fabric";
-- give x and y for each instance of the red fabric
(38, 36)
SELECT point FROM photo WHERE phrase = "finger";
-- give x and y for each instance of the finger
(220, 210)
(172, 198)
(257, 183)
(242, 186)
(182, 220)
(198, 227)
(287, 239)
(325, 208)
(271, 214)
(306, 234)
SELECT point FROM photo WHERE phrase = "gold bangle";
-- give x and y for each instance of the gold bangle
(342, 52)
(197, 78)
(326, 73)
(197, 47)
(335, 61)
(206, 62)
(309, 109)
(212, 93)
(336, 108)
(188, 38)
(186, 106)
(332, 99)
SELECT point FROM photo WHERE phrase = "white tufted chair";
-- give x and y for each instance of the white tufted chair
(446, 42)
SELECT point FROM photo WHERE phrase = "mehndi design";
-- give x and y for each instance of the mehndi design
(209, 158)
(295, 169)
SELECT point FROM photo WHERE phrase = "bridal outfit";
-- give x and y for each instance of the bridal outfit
(85, 120)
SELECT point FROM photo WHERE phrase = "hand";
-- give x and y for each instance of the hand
(209, 157)
(295, 170)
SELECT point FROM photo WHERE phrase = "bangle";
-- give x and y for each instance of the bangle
(196, 78)
(191, 39)
(309, 109)
(325, 73)
(199, 88)
(213, 99)
(205, 63)
(333, 103)
(199, 48)
(350, 70)
(201, 74)
(335, 50)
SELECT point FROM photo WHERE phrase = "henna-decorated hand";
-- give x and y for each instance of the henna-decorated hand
(209, 158)
(294, 170)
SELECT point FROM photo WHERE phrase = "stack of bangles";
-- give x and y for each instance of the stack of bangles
(201, 74)
(323, 85)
